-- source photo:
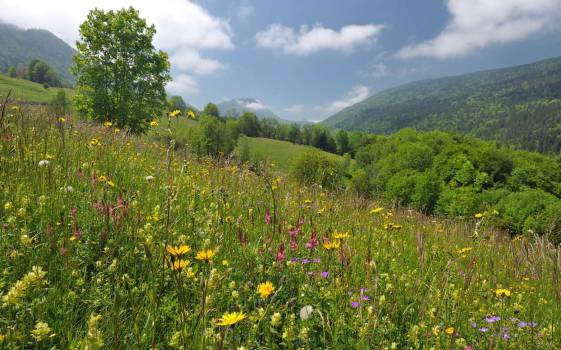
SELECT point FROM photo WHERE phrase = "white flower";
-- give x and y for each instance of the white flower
(306, 312)
(69, 189)
(149, 178)
(43, 163)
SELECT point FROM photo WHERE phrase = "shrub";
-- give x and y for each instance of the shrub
(313, 167)
(526, 210)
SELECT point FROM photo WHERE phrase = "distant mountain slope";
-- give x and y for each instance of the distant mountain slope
(19, 46)
(237, 107)
(518, 105)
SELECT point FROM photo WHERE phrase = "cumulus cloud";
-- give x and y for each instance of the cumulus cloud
(357, 94)
(294, 109)
(317, 38)
(183, 84)
(184, 28)
(254, 105)
(477, 24)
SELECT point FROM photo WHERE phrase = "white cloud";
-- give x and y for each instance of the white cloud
(183, 27)
(192, 60)
(255, 105)
(357, 94)
(309, 40)
(294, 109)
(476, 24)
(244, 11)
(183, 84)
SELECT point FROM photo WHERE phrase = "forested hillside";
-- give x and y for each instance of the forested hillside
(520, 106)
(18, 47)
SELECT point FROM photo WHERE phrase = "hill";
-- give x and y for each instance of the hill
(19, 46)
(518, 105)
(280, 153)
(27, 91)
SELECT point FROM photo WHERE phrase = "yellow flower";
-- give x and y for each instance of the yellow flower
(49, 157)
(116, 130)
(449, 330)
(331, 245)
(502, 292)
(265, 289)
(175, 113)
(102, 178)
(191, 114)
(95, 142)
(178, 250)
(108, 124)
(41, 331)
(205, 255)
(230, 318)
(225, 262)
(154, 123)
(391, 225)
(341, 235)
(110, 183)
(376, 210)
(61, 120)
(478, 215)
(178, 265)
(463, 251)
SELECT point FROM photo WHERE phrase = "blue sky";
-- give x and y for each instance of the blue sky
(307, 59)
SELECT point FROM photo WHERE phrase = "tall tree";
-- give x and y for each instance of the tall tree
(120, 75)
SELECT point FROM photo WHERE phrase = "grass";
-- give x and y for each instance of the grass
(279, 153)
(88, 214)
(27, 91)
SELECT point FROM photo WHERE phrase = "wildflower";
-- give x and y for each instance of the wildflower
(179, 265)
(331, 245)
(449, 330)
(61, 120)
(478, 216)
(492, 319)
(462, 252)
(43, 163)
(21, 287)
(107, 124)
(41, 331)
(95, 142)
(341, 235)
(268, 217)
(225, 262)
(205, 255)
(154, 123)
(501, 292)
(280, 253)
(191, 114)
(178, 250)
(276, 319)
(94, 338)
(231, 318)
(325, 274)
(174, 114)
(149, 178)
(376, 210)
(355, 304)
(265, 289)
(110, 183)
(102, 178)
(306, 312)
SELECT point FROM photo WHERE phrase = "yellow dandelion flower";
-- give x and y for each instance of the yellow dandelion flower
(502, 292)
(205, 255)
(231, 318)
(377, 210)
(265, 289)
(178, 250)
(449, 330)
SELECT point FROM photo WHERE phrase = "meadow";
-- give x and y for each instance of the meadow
(28, 91)
(111, 241)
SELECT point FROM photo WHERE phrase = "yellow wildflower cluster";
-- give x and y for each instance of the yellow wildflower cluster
(21, 287)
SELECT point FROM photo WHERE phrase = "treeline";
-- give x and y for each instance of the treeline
(37, 71)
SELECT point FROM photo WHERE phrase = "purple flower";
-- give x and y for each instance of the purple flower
(354, 304)
(492, 319)
(521, 324)
(362, 290)
(483, 329)
(506, 336)
(364, 297)
(294, 259)
(305, 261)
(473, 324)
(532, 324)
(325, 274)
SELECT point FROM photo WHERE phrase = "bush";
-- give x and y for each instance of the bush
(313, 167)
(527, 210)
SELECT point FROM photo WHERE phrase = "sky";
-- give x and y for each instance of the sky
(308, 59)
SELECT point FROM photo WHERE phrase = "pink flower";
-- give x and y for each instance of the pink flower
(268, 217)
(280, 253)
(312, 242)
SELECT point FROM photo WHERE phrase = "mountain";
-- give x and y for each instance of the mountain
(237, 107)
(19, 46)
(520, 106)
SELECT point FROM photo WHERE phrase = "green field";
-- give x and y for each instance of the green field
(25, 90)
(280, 153)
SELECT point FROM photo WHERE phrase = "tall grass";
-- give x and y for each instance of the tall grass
(87, 213)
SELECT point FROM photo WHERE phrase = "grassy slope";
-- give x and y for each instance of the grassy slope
(101, 246)
(280, 153)
(26, 91)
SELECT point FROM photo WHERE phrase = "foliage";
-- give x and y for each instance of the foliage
(113, 241)
(312, 167)
(42, 73)
(120, 76)
(518, 106)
